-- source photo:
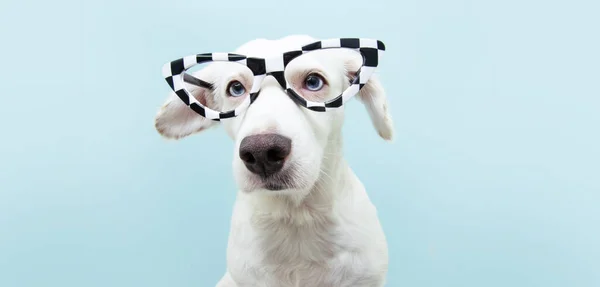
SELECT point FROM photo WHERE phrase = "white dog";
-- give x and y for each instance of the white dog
(309, 222)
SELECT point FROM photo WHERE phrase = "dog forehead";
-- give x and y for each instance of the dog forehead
(265, 48)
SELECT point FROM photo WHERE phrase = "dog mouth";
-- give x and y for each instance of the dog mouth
(279, 181)
(283, 180)
(293, 177)
(275, 186)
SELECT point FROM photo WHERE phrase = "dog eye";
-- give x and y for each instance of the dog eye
(314, 82)
(236, 89)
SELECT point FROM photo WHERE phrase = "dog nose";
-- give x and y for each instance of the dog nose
(265, 154)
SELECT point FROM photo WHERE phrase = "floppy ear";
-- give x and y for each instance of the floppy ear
(175, 120)
(374, 98)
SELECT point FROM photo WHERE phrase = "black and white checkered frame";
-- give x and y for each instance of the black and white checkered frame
(174, 74)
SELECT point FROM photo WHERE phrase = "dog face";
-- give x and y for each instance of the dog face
(280, 147)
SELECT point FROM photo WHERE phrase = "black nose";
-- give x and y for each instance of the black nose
(265, 154)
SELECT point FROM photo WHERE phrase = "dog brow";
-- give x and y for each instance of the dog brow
(197, 82)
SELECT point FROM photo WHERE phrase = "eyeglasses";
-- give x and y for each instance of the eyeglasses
(184, 84)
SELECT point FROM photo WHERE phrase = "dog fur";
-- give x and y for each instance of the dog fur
(322, 229)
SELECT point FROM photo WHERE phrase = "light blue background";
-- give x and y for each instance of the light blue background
(493, 180)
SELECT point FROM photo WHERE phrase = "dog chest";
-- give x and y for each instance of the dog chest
(314, 255)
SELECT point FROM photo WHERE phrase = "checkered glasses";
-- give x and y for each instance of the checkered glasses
(243, 93)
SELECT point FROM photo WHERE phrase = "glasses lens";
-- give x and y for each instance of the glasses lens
(322, 75)
(219, 85)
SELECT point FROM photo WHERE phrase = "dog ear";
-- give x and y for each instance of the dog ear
(374, 98)
(175, 120)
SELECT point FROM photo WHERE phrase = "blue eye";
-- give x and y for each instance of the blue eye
(236, 89)
(314, 82)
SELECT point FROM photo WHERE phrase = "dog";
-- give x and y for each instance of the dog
(301, 215)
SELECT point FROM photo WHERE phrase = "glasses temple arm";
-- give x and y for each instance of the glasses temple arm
(196, 82)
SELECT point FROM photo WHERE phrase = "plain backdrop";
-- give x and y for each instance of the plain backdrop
(493, 178)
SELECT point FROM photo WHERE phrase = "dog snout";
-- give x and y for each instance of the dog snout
(265, 154)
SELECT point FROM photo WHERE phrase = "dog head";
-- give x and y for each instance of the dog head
(280, 146)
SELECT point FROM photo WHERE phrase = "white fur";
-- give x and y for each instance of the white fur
(324, 231)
